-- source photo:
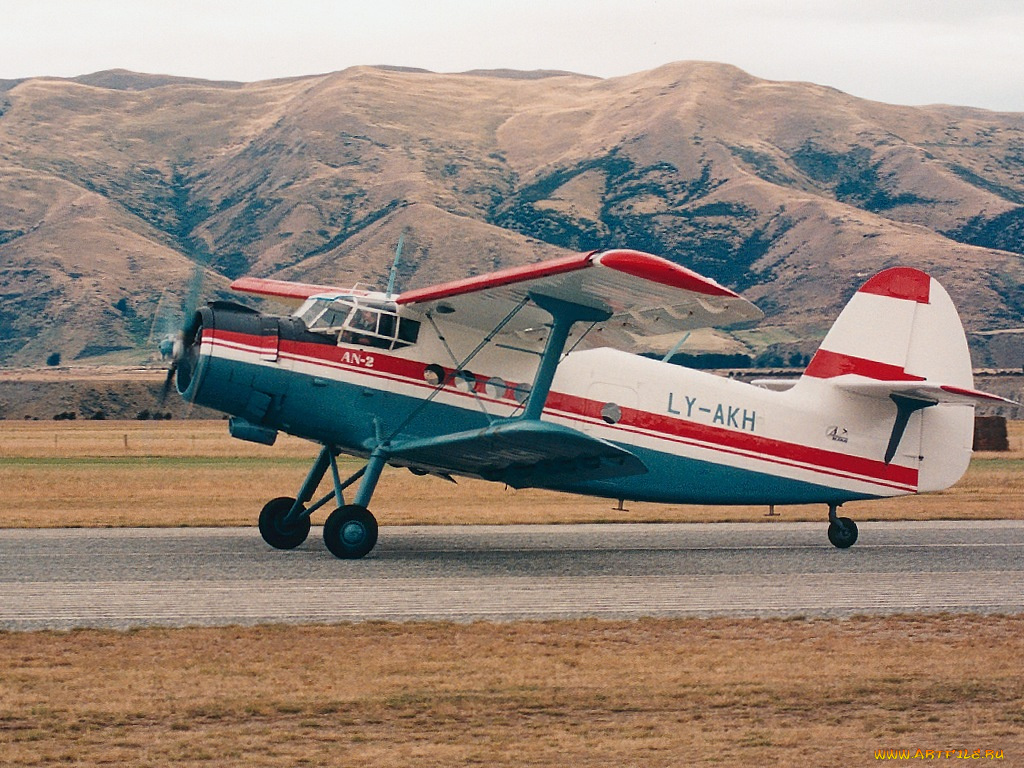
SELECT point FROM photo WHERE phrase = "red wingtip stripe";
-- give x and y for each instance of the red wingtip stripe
(900, 283)
(663, 271)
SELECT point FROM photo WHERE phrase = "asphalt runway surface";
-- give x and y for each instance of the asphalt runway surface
(67, 578)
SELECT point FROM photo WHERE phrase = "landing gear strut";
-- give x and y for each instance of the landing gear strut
(842, 531)
(350, 531)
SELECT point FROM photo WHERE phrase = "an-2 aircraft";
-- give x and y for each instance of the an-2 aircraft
(525, 377)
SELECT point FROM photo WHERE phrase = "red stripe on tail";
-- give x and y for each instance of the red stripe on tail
(828, 365)
(900, 283)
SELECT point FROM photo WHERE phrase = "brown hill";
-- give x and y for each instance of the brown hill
(113, 185)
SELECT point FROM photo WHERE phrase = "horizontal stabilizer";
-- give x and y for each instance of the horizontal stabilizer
(921, 390)
(521, 454)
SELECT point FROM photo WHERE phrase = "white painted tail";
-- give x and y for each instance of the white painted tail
(901, 326)
(897, 350)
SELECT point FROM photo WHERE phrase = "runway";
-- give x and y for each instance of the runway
(121, 578)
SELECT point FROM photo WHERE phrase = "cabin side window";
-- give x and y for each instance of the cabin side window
(408, 332)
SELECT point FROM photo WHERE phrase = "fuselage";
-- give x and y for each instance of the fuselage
(703, 438)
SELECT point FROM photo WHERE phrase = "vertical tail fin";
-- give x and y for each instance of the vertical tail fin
(899, 342)
(900, 327)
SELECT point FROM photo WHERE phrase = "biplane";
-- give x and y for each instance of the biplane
(528, 377)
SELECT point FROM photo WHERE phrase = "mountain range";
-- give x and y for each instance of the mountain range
(116, 188)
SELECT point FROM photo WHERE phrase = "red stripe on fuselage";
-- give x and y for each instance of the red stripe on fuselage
(741, 443)
(661, 426)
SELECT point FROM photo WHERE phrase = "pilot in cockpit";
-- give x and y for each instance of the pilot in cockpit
(360, 326)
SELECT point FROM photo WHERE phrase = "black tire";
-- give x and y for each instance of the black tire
(842, 533)
(350, 532)
(272, 527)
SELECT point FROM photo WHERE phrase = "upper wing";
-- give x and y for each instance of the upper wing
(646, 296)
(287, 292)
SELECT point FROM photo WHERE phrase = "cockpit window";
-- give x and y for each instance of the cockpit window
(358, 320)
(314, 309)
(330, 319)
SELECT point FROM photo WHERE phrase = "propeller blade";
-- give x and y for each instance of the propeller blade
(180, 348)
(165, 390)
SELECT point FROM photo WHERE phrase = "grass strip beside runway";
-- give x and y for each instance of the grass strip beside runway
(651, 692)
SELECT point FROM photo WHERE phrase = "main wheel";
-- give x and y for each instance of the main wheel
(350, 532)
(842, 533)
(273, 528)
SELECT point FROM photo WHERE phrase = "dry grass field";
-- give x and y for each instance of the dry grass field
(175, 473)
(646, 693)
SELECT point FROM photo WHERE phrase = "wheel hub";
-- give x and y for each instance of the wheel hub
(353, 533)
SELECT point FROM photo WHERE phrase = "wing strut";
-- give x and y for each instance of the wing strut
(564, 314)
(524, 451)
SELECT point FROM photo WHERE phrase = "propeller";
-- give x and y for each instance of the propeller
(162, 330)
(176, 356)
(182, 340)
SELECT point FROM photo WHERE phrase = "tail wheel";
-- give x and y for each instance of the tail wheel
(278, 533)
(842, 532)
(350, 532)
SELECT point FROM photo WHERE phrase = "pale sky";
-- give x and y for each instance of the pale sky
(966, 52)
